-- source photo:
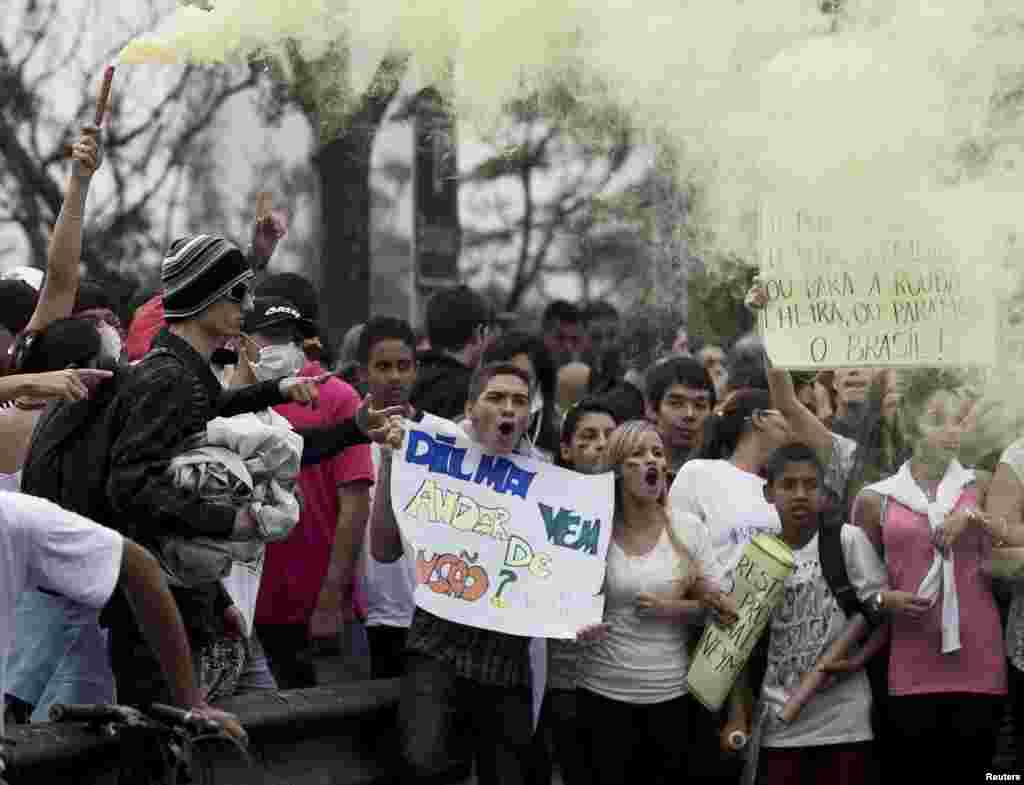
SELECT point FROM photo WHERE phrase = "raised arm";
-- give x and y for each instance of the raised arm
(806, 427)
(57, 299)
(158, 618)
(72, 384)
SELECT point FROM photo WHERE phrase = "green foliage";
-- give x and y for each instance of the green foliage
(716, 293)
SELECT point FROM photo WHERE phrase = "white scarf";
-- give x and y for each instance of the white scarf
(903, 488)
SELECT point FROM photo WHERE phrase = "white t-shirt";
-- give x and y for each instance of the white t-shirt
(729, 501)
(802, 628)
(389, 586)
(43, 545)
(644, 659)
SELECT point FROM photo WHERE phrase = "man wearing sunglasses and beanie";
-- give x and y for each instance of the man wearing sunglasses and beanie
(153, 412)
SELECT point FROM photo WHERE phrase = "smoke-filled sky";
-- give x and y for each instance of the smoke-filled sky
(759, 97)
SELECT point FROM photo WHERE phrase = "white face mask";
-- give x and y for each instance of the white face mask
(280, 360)
(110, 344)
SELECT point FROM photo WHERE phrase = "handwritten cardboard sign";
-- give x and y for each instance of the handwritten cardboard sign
(870, 289)
(506, 543)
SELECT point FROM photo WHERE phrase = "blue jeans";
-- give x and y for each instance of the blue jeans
(59, 655)
(444, 718)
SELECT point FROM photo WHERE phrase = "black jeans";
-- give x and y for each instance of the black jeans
(945, 737)
(289, 652)
(443, 718)
(559, 740)
(387, 651)
(634, 742)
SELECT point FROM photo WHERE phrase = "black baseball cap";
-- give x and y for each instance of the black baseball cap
(274, 311)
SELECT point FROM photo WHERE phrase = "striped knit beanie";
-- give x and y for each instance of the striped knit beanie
(198, 271)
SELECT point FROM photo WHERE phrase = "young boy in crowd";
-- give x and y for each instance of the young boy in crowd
(830, 740)
(585, 432)
(460, 678)
(386, 356)
(680, 395)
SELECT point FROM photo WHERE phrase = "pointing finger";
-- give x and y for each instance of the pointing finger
(93, 373)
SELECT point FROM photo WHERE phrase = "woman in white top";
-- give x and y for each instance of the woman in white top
(633, 679)
(723, 487)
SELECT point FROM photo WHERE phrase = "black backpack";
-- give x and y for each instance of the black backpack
(833, 568)
(68, 460)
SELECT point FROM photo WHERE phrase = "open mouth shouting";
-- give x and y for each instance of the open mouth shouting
(652, 477)
(506, 430)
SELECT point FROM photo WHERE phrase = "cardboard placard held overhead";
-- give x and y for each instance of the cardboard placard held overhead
(882, 285)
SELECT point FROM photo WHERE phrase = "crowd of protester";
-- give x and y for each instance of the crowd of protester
(710, 446)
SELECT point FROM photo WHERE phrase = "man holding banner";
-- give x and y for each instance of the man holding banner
(482, 517)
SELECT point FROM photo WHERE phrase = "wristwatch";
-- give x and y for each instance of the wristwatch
(875, 607)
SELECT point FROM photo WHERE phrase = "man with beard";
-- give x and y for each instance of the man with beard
(680, 396)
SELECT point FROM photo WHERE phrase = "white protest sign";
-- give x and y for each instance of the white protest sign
(881, 286)
(506, 543)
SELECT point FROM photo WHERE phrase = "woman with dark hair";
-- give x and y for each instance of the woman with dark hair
(528, 352)
(64, 344)
(722, 487)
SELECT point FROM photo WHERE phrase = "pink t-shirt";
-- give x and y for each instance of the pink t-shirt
(917, 665)
(295, 568)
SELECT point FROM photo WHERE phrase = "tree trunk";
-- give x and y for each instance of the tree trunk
(343, 168)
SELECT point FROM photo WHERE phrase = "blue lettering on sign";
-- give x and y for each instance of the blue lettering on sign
(442, 457)
(568, 530)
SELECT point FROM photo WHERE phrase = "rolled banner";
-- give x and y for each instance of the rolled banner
(815, 678)
(722, 652)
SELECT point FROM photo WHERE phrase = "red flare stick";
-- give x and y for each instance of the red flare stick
(104, 97)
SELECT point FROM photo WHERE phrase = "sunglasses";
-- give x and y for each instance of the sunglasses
(238, 293)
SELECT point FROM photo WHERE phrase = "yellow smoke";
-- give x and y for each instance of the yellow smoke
(758, 96)
(913, 100)
(148, 50)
